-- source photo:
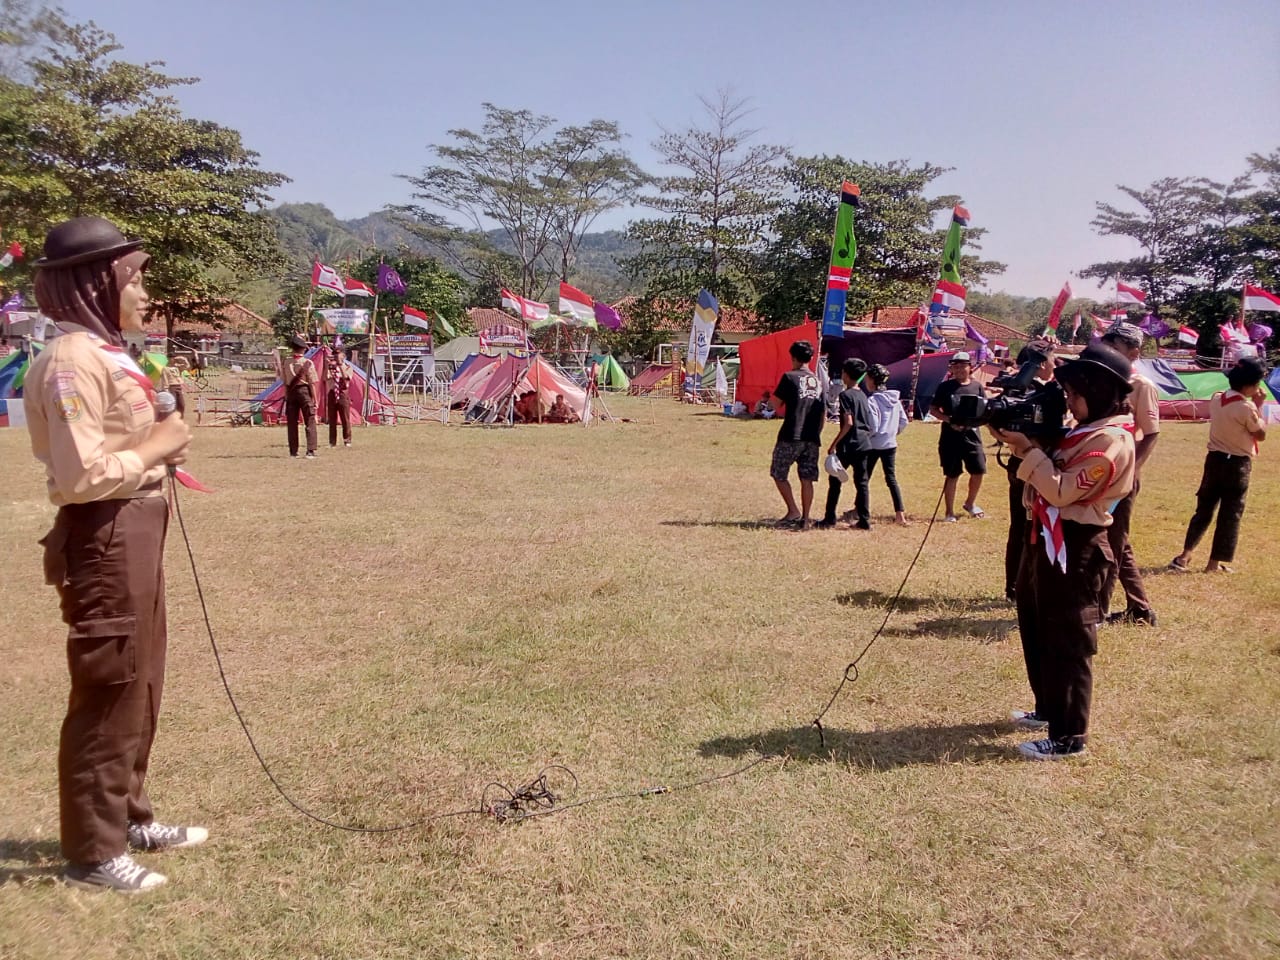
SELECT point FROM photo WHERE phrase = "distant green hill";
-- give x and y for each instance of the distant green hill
(308, 230)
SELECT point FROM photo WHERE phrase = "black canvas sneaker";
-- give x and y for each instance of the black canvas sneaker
(156, 836)
(120, 874)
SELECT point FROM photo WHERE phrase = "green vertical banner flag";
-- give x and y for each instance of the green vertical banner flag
(844, 248)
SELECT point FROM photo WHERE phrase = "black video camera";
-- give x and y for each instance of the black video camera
(1038, 411)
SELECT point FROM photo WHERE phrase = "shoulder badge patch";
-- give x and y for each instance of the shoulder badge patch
(69, 408)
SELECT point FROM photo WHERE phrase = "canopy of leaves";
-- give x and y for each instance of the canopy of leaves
(94, 135)
(898, 248)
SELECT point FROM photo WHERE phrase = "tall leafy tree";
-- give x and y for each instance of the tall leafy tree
(542, 187)
(898, 246)
(716, 207)
(94, 134)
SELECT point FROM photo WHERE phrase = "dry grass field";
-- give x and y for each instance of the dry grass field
(441, 607)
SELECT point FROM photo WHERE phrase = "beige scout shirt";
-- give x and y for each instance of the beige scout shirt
(1233, 419)
(85, 414)
(337, 375)
(171, 378)
(1145, 401)
(295, 364)
(1091, 469)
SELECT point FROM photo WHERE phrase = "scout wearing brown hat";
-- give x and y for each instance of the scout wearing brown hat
(1071, 490)
(337, 379)
(1235, 428)
(90, 411)
(300, 380)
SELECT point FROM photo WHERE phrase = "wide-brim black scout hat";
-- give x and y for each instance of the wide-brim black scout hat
(297, 342)
(1098, 356)
(83, 240)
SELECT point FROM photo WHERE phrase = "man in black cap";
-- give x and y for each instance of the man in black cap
(1235, 429)
(1125, 338)
(959, 446)
(300, 379)
(1041, 351)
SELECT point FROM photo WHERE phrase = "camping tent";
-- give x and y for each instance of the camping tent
(272, 399)
(763, 360)
(655, 377)
(1192, 401)
(489, 383)
(609, 375)
(12, 369)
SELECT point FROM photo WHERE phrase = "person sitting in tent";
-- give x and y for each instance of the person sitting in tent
(561, 412)
(526, 407)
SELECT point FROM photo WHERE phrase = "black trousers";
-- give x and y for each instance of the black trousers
(300, 402)
(1126, 568)
(889, 458)
(1223, 486)
(339, 409)
(1015, 544)
(856, 461)
(1058, 616)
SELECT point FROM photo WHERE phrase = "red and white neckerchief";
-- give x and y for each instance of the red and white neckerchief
(121, 358)
(1048, 518)
(1230, 397)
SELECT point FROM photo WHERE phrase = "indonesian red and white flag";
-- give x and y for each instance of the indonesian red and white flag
(354, 288)
(13, 253)
(327, 278)
(577, 304)
(1232, 334)
(417, 318)
(1128, 294)
(525, 309)
(950, 295)
(1188, 335)
(1119, 316)
(1255, 298)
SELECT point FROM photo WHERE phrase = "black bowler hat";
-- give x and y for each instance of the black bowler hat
(83, 240)
(297, 342)
(1098, 356)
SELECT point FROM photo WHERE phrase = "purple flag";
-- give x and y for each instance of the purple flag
(389, 281)
(16, 303)
(606, 316)
(1153, 326)
(1258, 332)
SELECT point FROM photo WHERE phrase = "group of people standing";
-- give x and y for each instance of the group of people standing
(871, 418)
(301, 382)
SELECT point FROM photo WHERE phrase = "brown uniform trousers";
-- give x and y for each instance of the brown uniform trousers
(106, 559)
(300, 401)
(1058, 616)
(339, 404)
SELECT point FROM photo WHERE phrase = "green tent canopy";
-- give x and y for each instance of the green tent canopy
(610, 373)
(1203, 384)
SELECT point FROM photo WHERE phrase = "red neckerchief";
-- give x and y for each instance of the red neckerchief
(121, 358)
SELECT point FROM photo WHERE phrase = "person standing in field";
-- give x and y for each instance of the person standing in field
(852, 445)
(1144, 401)
(800, 435)
(337, 378)
(959, 446)
(888, 420)
(171, 380)
(91, 413)
(300, 380)
(1016, 541)
(1235, 429)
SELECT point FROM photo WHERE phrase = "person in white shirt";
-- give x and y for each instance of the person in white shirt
(889, 420)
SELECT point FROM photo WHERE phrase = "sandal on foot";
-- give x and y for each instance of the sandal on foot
(975, 511)
(1179, 566)
(1220, 568)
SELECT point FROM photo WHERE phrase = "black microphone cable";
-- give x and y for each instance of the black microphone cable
(502, 803)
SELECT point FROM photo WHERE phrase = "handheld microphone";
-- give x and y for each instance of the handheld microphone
(166, 404)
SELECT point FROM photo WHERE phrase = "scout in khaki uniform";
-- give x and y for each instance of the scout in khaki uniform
(1144, 401)
(1071, 490)
(1235, 428)
(171, 380)
(337, 382)
(90, 411)
(300, 383)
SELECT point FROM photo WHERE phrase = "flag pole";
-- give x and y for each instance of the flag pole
(373, 344)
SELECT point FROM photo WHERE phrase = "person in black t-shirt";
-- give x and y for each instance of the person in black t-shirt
(959, 448)
(800, 434)
(852, 445)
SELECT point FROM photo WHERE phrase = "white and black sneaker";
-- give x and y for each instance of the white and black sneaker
(120, 874)
(151, 837)
(1047, 749)
(1028, 720)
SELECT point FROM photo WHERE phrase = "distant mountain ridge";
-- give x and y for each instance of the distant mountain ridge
(311, 229)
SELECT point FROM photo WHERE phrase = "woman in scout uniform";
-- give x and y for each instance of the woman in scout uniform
(90, 411)
(1235, 427)
(171, 380)
(1071, 490)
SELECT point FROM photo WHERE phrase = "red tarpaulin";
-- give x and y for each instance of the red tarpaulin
(763, 361)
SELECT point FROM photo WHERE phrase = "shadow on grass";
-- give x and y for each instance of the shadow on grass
(36, 854)
(875, 749)
(879, 600)
(770, 524)
(964, 628)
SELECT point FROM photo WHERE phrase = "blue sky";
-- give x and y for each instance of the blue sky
(1041, 109)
